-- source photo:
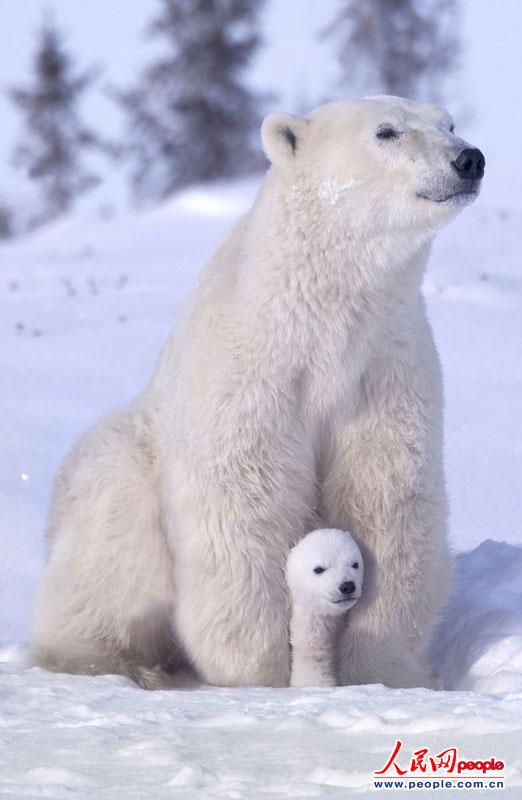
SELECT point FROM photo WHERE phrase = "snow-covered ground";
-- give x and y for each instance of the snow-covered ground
(85, 306)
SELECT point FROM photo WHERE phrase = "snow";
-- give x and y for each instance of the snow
(107, 739)
(85, 306)
(331, 191)
(104, 738)
(479, 643)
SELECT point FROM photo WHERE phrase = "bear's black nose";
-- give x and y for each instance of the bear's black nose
(348, 587)
(470, 163)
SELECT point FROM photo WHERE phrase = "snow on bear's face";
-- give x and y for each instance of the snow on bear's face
(376, 165)
(325, 571)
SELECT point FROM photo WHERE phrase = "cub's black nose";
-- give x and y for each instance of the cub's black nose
(470, 163)
(348, 587)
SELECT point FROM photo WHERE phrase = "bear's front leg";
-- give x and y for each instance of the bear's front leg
(385, 483)
(230, 531)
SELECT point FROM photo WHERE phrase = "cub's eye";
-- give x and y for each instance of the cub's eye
(387, 133)
(318, 570)
(452, 128)
(355, 565)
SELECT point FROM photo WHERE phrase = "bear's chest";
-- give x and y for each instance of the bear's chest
(330, 381)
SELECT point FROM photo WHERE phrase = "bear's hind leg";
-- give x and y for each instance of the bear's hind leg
(106, 596)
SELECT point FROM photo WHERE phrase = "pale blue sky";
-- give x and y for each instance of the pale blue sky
(295, 64)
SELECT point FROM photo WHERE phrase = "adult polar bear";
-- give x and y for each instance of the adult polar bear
(301, 389)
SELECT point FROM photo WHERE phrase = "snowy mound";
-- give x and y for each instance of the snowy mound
(478, 645)
(105, 738)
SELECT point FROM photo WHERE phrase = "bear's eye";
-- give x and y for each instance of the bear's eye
(318, 570)
(355, 565)
(452, 127)
(387, 132)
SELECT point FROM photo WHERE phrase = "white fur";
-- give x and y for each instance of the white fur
(319, 602)
(300, 389)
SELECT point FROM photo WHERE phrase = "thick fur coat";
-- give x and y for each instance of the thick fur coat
(301, 389)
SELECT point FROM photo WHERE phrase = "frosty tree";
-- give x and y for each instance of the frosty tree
(191, 117)
(55, 140)
(6, 221)
(400, 47)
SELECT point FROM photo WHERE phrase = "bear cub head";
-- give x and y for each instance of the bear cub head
(325, 572)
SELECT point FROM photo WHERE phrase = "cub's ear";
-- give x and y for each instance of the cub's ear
(282, 135)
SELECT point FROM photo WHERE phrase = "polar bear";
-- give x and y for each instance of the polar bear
(324, 572)
(301, 389)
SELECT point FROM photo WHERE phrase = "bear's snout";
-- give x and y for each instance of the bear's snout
(470, 164)
(346, 588)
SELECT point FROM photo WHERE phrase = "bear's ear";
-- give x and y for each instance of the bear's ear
(282, 135)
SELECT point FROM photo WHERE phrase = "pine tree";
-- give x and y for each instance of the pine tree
(53, 147)
(399, 47)
(191, 118)
(6, 222)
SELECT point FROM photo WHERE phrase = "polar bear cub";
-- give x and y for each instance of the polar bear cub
(324, 573)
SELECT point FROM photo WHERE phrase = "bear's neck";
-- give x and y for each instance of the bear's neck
(308, 265)
(314, 638)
